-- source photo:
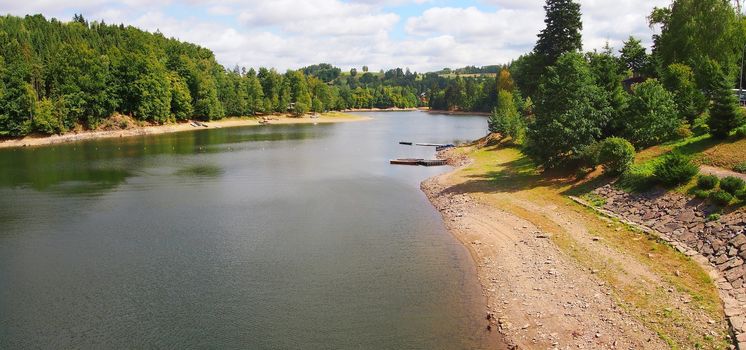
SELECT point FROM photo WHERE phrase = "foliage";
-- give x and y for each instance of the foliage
(713, 217)
(616, 155)
(724, 113)
(701, 194)
(638, 178)
(679, 79)
(707, 182)
(741, 168)
(694, 31)
(570, 113)
(46, 118)
(608, 73)
(741, 132)
(732, 184)
(633, 55)
(651, 116)
(741, 195)
(675, 169)
(562, 33)
(506, 120)
(721, 198)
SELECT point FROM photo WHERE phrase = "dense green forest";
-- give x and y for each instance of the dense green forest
(57, 76)
(565, 108)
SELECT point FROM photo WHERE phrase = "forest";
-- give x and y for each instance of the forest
(565, 108)
(59, 76)
(556, 101)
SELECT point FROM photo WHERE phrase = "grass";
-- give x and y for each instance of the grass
(506, 179)
(705, 150)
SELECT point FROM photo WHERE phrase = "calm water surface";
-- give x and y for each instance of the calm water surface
(279, 237)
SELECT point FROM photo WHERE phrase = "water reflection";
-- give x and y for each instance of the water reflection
(94, 167)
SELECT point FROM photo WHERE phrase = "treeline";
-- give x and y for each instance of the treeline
(57, 76)
(560, 104)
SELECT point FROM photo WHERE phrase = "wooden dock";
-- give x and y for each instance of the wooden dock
(423, 162)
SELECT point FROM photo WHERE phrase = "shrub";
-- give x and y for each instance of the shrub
(707, 182)
(651, 116)
(732, 184)
(589, 155)
(741, 168)
(637, 178)
(700, 127)
(675, 169)
(721, 197)
(741, 195)
(713, 217)
(701, 194)
(616, 155)
(741, 132)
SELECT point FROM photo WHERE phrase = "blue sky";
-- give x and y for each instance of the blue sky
(423, 35)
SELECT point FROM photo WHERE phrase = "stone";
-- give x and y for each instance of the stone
(734, 273)
(738, 241)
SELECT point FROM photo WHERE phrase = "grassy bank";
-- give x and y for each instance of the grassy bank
(662, 288)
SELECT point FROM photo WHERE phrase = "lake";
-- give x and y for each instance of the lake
(275, 237)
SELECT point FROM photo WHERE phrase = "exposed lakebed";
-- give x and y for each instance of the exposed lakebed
(287, 236)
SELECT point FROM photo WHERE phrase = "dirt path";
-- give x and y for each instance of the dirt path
(538, 297)
(720, 172)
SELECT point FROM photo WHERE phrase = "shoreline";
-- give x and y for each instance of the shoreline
(486, 114)
(44, 140)
(538, 296)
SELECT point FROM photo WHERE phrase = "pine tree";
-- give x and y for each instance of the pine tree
(724, 114)
(562, 32)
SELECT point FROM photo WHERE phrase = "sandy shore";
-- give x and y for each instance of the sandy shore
(169, 128)
(538, 297)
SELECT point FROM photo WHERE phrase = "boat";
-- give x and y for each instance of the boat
(405, 143)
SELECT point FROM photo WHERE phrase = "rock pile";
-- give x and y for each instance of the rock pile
(683, 222)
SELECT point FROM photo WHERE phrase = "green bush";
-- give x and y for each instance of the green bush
(616, 155)
(741, 195)
(637, 178)
(721, 197)
(701, 194)
(713, 217)
(589, 155)
(741, 168)
(732, 184)
(675, 169)
(741, 132)
(707, 182)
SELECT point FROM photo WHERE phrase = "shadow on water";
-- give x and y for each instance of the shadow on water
(98, 166)
(200, 171)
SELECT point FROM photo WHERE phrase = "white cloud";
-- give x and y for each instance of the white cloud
(351, 33)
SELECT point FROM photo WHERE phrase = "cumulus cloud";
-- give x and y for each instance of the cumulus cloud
(419, 34)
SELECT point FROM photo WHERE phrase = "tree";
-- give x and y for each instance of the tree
(693, 31)
(562, 32)
(506, 120)
(505, 81)
(651, 116)
(353, 72)
(607, 72)
(724, 111)
(181, 99)
(570, 113)
(365, 69)
(633, 56)
(679, 79)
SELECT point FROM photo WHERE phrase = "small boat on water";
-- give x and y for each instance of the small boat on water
(406, 161)
(405, 143)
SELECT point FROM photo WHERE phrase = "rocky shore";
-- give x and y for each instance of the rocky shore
(537, 297)
(717, 242)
